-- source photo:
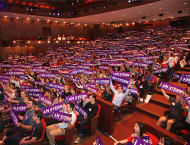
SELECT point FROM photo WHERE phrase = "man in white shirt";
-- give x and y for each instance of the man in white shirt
(59, 129)
(118, 95)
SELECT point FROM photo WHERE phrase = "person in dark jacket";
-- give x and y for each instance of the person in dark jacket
(92, 108)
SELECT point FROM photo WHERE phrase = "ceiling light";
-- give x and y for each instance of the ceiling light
(121, 19)
(185, 3)
(102, 23)
(160, 8)
(120, 24)
(112, 12)
(187, 8)
(150, 4)
(55, 21)
(78, 23)
(139, 12)
(28, 41)
(5, 16)
(123, 15)
(17, 46)
(147, 21)
(133, 23)
(71, 23)
(127, 24)
(162, 19)
(28, 18)
(77, 1)
(154, 20)
(108, 24)
(67, 41)
(17, 18)
(48, 41)
(166, 12)
(172, 17)
(129, 1)
(56, 41)
(78, 42)
(25, 46)
(39, 41)
(38, 20)
(64, 22)
(14, 41)
(139, 22)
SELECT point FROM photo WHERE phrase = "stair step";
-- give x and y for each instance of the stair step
(160, 100)
(153, 110)
(182, 72)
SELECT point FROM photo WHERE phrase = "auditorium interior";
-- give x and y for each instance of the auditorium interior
(86, 45)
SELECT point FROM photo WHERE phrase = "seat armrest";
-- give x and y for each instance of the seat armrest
(34, 142)
(133, 103)
(69, 133)
(94, 123)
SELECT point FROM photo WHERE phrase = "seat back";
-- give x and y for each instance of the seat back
(98, 112)
(76, 119)
(155, 79)
(154, 138)
(44, 129)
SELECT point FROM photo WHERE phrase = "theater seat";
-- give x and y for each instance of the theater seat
(39, 141)
(69, 133)
(154, 138)
(94, 122)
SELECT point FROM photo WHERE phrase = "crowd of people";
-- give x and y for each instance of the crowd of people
(108, 68)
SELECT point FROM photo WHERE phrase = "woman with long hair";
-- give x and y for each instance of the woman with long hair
(139, 131)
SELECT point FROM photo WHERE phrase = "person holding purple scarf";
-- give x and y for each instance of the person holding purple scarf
(92, 108)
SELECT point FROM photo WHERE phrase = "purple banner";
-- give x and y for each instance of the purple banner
(88, 84)
(141, 57)
(33, 90)
(14, 72)
(188, 62)
(5, 99)
(38, 83)
(47, 75)
(140, 64)
(133, 91)
(36, 64)
(93, 90)
(54, 68)
(5, 81)
(187, 100)
(176, 75)
(172, 88)
(157, 71)
(83, 67)
(51, 109)
(139, 141)
(75, 80)
(121, 74)
(80, 109)
(64, 117)
(14, 117)
(77, 97)
(23, 77)
(34, 94)
(103, 67)
(73, 72)
(102, 81)
(98, 141)
(38, 70)
(89, 72)
(45, 100)
(185, 79)
(70, 66)
(149, 61)
(121, 80)
(153, 57)
(24, 87)
(116, 64)
(56, 86)
(19, 108)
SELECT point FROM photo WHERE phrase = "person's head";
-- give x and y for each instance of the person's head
(17, 92)
(37, 116)
(165, 140)
(178, 98)
(73, 90)
(171, 54)
(149, 72)
(188, 90)
(47, 93)
(66, 88)
(92, 98)
(17, 78)
(12, 85)
(141, 71)
(83, 90)
(120, 89)
(61, 98)
(23, 94)
(26, 99)
(31, 104)
(139, 128)
(69, 107)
